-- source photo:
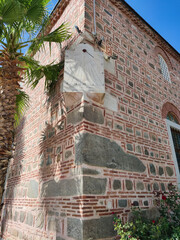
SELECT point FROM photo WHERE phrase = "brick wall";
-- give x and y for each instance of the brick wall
(74, 166)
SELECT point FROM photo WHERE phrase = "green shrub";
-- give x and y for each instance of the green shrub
(165, 227)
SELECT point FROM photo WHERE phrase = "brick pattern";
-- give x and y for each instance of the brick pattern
(45, 141)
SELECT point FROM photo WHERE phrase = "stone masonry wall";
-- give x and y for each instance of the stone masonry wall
(42, 180)
(74, 166)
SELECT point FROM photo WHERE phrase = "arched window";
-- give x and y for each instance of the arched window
(164, 68)
(172, 117)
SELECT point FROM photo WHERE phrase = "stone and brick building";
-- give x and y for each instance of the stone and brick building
(106, 138)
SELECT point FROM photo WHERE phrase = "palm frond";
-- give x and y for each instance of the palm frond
(35, 72)
(58, 35)
(22, 103)
(11, 11)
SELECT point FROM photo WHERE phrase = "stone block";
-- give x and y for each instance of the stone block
(29, 219)
(169, 171)
(87, 171)
(100, 228)
(129, 184)
(65, 187)
(140, 186)
(122, 203)
(161, 171)
(88, 112)
(94, 185)
(116, 184)
(99, 151)
(75, 228)
(39, 220)
(152, 169)
(33, 189)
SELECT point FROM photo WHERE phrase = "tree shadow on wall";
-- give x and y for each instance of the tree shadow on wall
(13, 177)
(51, 154)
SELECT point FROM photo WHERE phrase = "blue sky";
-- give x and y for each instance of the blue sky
(162, 15)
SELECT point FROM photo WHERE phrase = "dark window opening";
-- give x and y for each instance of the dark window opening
(176, 141)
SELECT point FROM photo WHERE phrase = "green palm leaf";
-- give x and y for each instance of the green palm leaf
(22, 103)
(58, 35)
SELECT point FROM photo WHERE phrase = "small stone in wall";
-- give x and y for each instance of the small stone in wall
(129, 184)
(163, 188)
(161, 171)
(140, 186)
(156, 186)
(152, 169)
(68, 154)
(116, 184)
(122, 203)
(169, 171)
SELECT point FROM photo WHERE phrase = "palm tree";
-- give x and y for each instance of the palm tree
(19, 18)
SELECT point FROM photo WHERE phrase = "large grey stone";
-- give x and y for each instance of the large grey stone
(87, 171)
(75, 228)
(65, 187)
(94, 185)
(90, 229)
(88, 112)
(33, 189)
(99, 151)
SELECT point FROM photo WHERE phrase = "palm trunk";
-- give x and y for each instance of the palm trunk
(9, 83)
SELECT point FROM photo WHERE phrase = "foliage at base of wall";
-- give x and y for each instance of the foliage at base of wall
(165, 227)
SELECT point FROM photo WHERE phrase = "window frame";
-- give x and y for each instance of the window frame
(164, 68)
(170, 125)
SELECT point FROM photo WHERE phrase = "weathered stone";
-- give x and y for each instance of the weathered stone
(75, 116)
(22, 216)
(88, 171)
(88, 112)
(59, 238)
(94, 185)
(161, 171)
(129, 184)
(87, 15)
(39, 220)
(75, 228)
(90, 229)
(156, 186)
(99, 151)
(169, 171)
(29, 219)
(116, 184)
(163, 187)
(68, 154)
(140, 186)
(129, 147)
(135, 203)
(65, 187)
(152, 169)
(53, 224)
(146, 203)
(93, 114)
(151, 214)
(49, 161)
(33, 188)
(122, 203)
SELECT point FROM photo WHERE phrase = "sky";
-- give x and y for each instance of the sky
(162, 15)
